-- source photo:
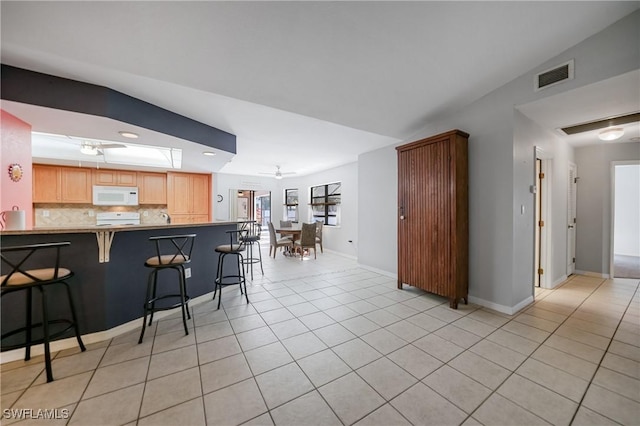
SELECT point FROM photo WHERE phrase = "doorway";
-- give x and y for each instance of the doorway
(250, 204)
(571, 219)
(542, 219)
(626, 220)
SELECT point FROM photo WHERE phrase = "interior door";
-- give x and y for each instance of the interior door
(571, 219)
(538, 225)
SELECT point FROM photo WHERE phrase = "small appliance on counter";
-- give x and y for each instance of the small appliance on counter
(13, 220)
(117, 218)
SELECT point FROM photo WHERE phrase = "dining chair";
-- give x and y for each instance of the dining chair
(275, 242)
(286, 224)
(319, 226)
(307, 240)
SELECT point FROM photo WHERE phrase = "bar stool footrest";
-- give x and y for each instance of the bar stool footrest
(239, 279)
(148, 305)
(38, 341)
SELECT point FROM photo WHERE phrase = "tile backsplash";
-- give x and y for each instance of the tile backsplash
(53, 215)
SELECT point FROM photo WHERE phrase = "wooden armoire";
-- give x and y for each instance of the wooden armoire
(433, 224)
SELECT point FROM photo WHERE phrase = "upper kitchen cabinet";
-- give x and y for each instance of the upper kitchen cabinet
(188, 197)
(152, 188)
(107, 177)
(46, 184)
(54, 184)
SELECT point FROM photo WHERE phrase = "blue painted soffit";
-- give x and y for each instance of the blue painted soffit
(29, 87)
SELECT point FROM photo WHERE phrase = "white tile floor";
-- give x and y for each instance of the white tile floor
(325, 342)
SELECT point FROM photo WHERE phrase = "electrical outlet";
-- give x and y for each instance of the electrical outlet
(187, 273)
(145, 214)
(45, 213)
(91, 213)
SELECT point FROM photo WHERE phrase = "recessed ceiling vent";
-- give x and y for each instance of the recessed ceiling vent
(554, 76)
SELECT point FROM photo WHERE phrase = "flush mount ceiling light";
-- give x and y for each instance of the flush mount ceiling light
(209, 153)
(611, 134)
(129, 135)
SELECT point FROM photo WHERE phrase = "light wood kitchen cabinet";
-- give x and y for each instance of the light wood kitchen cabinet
(152, 188)
(188, 197)
(75, 185)
(55, 184)
(108, 177)
(46, 184)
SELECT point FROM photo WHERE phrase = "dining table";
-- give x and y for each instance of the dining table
(295, 230)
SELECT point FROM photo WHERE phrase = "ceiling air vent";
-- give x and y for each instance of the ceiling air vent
(554, 76)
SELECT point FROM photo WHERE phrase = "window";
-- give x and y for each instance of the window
(291, 205)
(325, 203)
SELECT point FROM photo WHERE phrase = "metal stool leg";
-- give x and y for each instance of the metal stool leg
(27, 352)
(45, 327)
(74, 317)
(146, 305)
(183, 298)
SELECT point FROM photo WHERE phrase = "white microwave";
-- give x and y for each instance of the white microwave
(115, 195)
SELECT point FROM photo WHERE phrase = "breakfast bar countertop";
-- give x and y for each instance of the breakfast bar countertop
(116, 228)
(110, 277)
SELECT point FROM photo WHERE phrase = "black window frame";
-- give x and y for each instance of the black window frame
(291, 206)
(328, 200)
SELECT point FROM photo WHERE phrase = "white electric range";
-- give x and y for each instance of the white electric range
(117, 218)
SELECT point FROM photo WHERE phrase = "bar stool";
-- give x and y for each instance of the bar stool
(19, 278)
(234, 249)
(254, 229)
(177, 251)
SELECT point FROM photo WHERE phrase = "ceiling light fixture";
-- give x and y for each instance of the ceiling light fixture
(611, 134)
(129, 135)
(209, 153)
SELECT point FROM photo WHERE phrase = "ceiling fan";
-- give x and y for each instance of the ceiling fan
(97, 148)
(278, 174)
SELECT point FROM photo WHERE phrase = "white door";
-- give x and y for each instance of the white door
(571, 219)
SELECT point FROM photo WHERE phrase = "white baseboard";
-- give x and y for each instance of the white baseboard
(339, 253)
(509, 310)
(100, 336)
(592, 274)
(378, 271)
(557, 282)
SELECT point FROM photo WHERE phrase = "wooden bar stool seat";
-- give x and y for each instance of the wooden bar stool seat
(15, 261)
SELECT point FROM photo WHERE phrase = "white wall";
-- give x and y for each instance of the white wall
(335, 238)
(626, 238)
(528, 135)
(500, 171)
(378, 206)
(593, 231)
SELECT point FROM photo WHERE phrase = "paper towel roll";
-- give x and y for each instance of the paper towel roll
(14, 220)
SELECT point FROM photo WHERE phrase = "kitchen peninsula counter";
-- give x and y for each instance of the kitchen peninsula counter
(109, 293)
(115, 228)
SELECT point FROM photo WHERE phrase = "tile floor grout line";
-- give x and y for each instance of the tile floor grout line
(514, 371)
(354, 288)
(595, 372)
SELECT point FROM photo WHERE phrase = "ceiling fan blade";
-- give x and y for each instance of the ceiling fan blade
(112, 145)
